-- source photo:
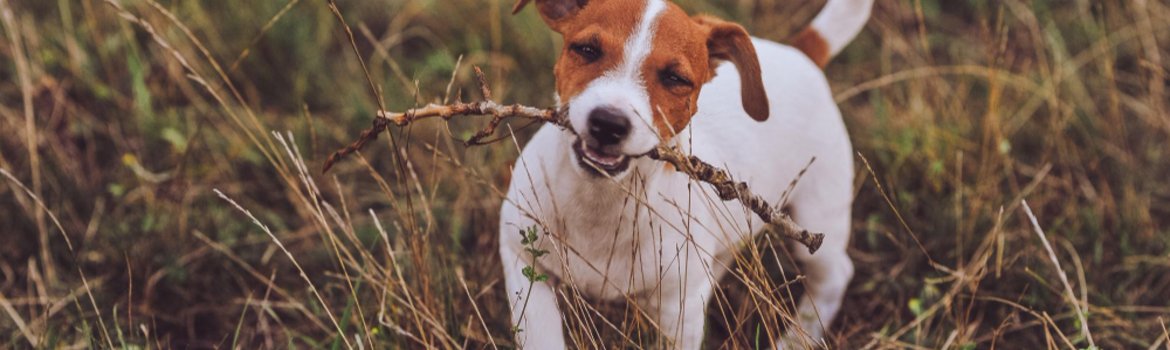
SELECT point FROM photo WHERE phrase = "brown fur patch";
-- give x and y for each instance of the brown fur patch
(680, 45)
(729, 41)
(608, 24)
(812, 44)
(687, 46)
(693, 46)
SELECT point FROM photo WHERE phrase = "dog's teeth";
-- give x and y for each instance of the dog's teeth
(599, 158)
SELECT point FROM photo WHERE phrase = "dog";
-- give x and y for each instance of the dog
(615, 225)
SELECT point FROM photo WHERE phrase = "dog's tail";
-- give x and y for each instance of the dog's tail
(832, 29)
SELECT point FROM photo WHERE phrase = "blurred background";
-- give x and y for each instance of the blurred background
(120, 118)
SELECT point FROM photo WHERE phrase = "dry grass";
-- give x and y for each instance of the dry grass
(121, 120)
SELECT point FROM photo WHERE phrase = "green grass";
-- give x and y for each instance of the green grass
(963, 109)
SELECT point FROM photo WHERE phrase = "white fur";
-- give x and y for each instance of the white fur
(622, 88)
(662, 241)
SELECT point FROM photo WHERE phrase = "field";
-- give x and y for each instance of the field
(162, 188)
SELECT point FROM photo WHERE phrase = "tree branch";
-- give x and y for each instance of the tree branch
(695, 168)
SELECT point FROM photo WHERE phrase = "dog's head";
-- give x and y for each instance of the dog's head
(630, 72)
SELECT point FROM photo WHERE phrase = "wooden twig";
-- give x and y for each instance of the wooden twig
(483, 107)
(729, 189)
(695, 168)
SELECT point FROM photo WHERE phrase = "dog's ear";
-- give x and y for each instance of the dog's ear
(553, 11)
(728, 41)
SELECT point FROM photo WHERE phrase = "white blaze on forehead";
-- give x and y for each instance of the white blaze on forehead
(623, 88)
(639, 44)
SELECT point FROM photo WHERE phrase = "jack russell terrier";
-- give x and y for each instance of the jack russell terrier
(614, 225)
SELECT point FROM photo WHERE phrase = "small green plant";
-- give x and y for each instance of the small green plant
(528, 238)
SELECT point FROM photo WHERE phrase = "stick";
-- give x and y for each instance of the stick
(725, 186)
(484, 107)
(729, 189)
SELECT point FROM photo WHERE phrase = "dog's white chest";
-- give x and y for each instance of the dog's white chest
(647, 245)
(610, 242)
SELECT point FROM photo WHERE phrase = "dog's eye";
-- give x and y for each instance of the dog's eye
(670, 78)
(588, 51)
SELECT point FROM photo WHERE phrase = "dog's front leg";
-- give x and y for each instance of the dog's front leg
(681, 313)
(535, 316)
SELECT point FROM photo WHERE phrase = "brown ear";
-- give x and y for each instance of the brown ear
(552, 10)
(730, 42)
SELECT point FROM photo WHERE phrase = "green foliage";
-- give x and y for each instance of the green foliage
(528, 239)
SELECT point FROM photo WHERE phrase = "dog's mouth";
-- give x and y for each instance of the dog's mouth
(596, 160)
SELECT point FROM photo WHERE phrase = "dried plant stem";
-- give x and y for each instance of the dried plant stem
(24, 77)
(725, 186)
(1080, 310)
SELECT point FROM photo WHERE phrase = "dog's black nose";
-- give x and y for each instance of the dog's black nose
(608, 126)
